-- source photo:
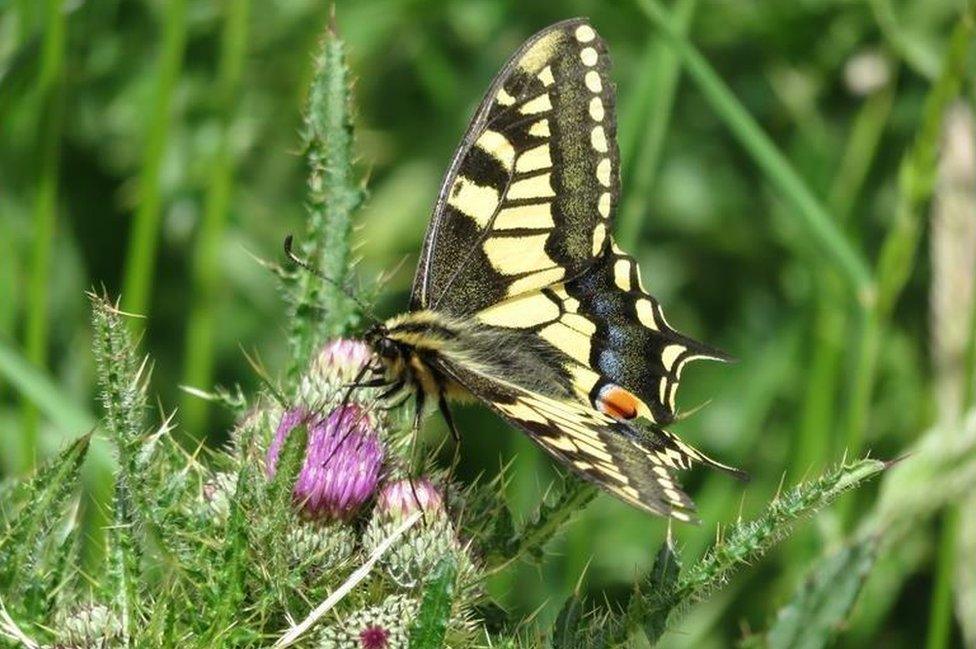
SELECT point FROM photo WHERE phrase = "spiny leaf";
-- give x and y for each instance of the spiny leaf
(660, 584)
(277, 512)
(430, 628)
(279, 493)
(565, 630)
(45, 497)
(548, 520)
(122, 383)
(824, 600)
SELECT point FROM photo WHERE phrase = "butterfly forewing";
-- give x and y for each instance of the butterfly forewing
(529, 195)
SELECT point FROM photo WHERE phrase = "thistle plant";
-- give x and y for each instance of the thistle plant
(323, 523)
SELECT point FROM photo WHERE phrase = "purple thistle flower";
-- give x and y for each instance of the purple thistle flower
(342, 460)
(399, 499)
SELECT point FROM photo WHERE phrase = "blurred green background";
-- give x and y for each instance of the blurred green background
(152, 148)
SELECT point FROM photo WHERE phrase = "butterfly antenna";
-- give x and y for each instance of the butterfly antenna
(365, 308)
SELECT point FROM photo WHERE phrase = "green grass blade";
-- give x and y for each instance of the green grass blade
(813, 215)
(647, 161)
(50, 86)
(917, 171)
(198, 359)
(140, 260)
(32, 383)
(922, 60)
(898, 250)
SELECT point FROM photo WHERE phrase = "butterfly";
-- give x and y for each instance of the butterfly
(523, 301)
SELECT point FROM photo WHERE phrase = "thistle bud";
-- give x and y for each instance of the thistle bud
(91, 625)
(397, 500)
(337, 365)
(412, 559)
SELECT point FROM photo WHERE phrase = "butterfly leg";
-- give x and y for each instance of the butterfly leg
(420, 400)
(448, 418)
(375, 382)
(445, 409)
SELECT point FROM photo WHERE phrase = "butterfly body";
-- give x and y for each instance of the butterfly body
(523, 301)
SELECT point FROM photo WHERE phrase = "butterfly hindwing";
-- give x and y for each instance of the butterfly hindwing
(610, 331)
(598, 448)
(528, 198)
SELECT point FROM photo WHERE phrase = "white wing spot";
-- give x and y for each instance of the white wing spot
(476, 201)
(603, 172)
(540, 104)
(593, 81)
(535, 187)
(598, 138)
(621, 274)
(536, 280)
(603, 205)
(518, 255)
(588, 56)
(645, 313)
(671, 354)
(521, 313)
(599, 236)
(585, 34)
(596, 109)
(534, 159)
(546, 76)
(540, 128)
(497, 146)
(532, 216)
(504, 98)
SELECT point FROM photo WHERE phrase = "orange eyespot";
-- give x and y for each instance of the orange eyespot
(616, 402)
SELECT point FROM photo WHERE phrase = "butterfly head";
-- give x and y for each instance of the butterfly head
(378, 338)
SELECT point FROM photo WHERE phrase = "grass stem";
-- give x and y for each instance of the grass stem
(814, 216)
(647, 161)
(50, 97)
(140, 261)
(199, 353)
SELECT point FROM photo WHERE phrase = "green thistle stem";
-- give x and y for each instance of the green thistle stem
(320, 310)
(743, 543)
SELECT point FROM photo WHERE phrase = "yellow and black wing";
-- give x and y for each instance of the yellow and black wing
(617, 457)
(527, 199)
(558, 335)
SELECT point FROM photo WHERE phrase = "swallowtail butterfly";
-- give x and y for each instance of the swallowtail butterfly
(522, 299)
